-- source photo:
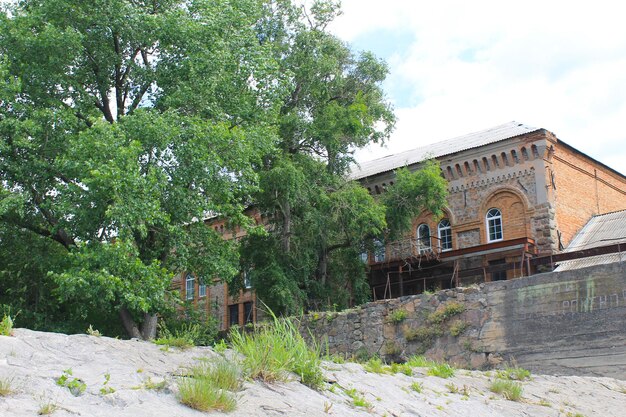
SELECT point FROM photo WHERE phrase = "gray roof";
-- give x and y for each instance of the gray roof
(436, 150)
(601, 230)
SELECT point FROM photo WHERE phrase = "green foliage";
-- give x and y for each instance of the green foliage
(420, 361)
(47, 407)
(75, 385)
(93, 332)
(358, 399)
(182, 338)
(273, 350)
(398, 316)
(516, 374)
(220, 346)
(442, 370)
(106, 389)
(375, 365)
(509, 389)
(191, 326)
(6, 325)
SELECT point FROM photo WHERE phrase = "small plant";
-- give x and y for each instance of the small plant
(75, 385)
(442, 370)
(106, 389)
(210, 386)
(47, 408)
(289, 352)
(508, 389)
(449, 310)
(93, 332)
(6, 325)
(422, 334)
(417, 387)
(453, 389)
(375, 365)
(398, 316)
(401, 368)
(545, 403)
(155, 386)
(515, 374)
(458, 327)
(182, 338)
(6, 387)
(221, 346)
(392, 348)
(420, 361)
(357, 398)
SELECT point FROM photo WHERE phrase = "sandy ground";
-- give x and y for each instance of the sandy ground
(32, 361)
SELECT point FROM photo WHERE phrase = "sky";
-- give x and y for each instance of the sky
(458, 67)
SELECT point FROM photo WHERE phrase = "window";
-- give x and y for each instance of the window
(498, 275)
(190, 282)
(247, 283)
(379, 251)
(494, 225)
(201, 288)
(248, 316)
(444, 231)
(364, 257)
(423, 238)
(233, 314)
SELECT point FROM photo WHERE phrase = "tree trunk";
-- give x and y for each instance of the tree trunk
(129, 324)
(149, 326)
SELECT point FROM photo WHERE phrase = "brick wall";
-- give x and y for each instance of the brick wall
(583, 188)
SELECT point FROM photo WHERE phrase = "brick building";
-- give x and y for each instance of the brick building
(515, 193)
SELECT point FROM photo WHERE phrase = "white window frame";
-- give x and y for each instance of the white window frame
(201, 288)
(190, 282)
(247, 283)
(444, 226)
(493, 221)
(422, 247)
(379, 251)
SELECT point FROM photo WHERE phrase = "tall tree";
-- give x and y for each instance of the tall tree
(123, 123)
(319, 220)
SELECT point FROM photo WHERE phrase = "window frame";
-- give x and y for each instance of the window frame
(448, 230)
(493, 222)
(379, 250)
(201, 288)
(190, 279)
(421, 247)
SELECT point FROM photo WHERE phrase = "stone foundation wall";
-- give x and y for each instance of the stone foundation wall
(572, 322)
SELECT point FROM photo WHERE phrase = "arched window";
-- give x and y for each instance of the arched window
(505, 160)
(515, 158)
(494, 159)
(494, 225)
(468, 170)
(477, 166)
(423, 238)
(458, 170)
(379, 251)
(450, 174)
(525, 154)
(190, 282)
(444, 233)
(486, 163)
(535, 151)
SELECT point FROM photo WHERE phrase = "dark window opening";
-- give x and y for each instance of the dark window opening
(498, 275)
(233, 314)
(247, 312)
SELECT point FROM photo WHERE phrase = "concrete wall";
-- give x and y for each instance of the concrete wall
(572, 322)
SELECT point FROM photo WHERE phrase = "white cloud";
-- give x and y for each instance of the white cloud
(468, 66)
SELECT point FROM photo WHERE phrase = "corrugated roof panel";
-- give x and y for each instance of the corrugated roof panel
(436, 150)
(601, 230)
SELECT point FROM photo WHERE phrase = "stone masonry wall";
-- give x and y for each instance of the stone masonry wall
(572, 322)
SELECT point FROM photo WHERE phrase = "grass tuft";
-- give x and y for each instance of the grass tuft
(508, 389)
(417, 387)
(514, 374)
(398, 316)
(6, 325)
(47, 408)
(442, 370)
(210, 386)
(272, 351)
(6, 387)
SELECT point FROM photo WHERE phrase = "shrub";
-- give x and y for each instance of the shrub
(398, 316)
(442, 370)
(271, 351)
(516, 374)
(509, 389)
(192, 323)
(422, 334)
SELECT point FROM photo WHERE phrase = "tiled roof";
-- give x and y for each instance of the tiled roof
(446, 147)
(601, 230)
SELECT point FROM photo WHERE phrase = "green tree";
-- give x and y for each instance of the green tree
(123, 124)
(320, 220)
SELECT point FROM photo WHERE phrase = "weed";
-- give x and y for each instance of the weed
(327, 407)
(449, 310)
(417, 386)
(375, 365)
(276, 349)
(75, 385)
(334, 358)
(182, 338)
(221, 346)
(442, 370)
(458, 327)
(93, 332)
(357, 398)
(420, 361)
(209, 386)
(106, 389)
(452, 388)
(515, 374)
(6, 387)
(570, 414)
(401, 368)
(509, 389)
(392, 348)
(398, 316)
(424, 335)
(362, 355)
(47, 407)
(6, 325)
(156, 386)
(545, 403)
